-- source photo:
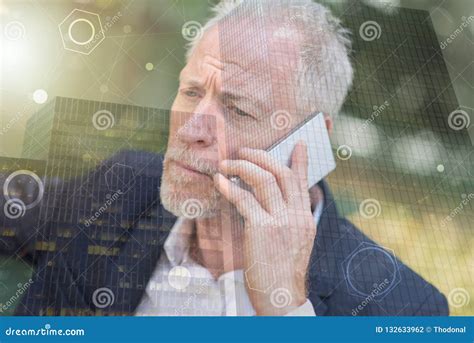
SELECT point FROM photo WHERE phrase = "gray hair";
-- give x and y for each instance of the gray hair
(324, 73)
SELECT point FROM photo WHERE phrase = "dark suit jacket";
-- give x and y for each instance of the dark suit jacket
(348, 274)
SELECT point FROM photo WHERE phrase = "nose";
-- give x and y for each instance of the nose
(199, 130)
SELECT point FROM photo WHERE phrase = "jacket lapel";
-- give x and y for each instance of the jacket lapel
(320, 286)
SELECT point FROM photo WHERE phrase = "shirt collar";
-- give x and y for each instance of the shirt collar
(318, 211)
(177, 244)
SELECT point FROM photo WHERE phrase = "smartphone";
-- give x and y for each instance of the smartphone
(320, 156)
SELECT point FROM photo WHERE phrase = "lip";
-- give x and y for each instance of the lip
(188, 170)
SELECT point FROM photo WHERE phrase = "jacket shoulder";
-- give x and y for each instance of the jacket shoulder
(360, 277)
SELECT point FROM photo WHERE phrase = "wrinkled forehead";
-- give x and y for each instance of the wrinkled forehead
(252, 51)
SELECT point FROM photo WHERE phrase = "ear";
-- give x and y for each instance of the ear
(329, 122)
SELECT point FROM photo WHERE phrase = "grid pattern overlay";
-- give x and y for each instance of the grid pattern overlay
(403, 176)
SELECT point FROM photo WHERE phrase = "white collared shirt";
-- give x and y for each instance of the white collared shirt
(181, 287)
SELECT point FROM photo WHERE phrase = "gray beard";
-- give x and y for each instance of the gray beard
(189, 207)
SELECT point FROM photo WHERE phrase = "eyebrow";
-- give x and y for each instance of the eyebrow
(227, 95)
(192, 81)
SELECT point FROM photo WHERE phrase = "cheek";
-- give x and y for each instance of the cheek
(173, 129)
(173, 120)
(255, 136)
(225, 141)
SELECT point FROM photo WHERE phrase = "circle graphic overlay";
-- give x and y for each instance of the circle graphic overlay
(371, 268)
(27, 181)
(78, 21)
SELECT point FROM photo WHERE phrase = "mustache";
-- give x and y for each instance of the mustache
(194, 161)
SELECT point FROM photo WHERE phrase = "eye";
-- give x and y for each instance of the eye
(239, 111)
(190, 93)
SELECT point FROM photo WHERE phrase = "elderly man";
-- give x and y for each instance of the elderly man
(273, 247)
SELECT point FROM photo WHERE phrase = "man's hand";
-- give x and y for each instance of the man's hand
(279, 226)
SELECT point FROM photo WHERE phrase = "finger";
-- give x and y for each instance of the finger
(299, 164)
(243, 200)
(263, 159)
(263, 183)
